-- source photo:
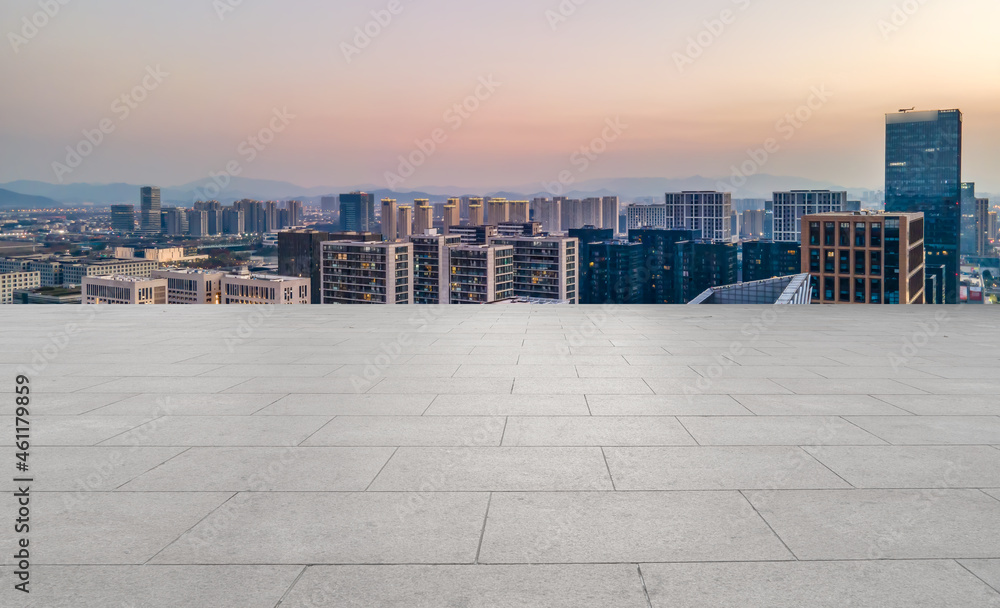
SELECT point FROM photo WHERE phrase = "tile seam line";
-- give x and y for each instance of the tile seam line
(196, 524)
(101, 443)
(156, 466)
(264, 407)
(645, 590)
(482, 533)
(862, 429)
(827, 467)
(966, 568)
(384, 465)
(511, 564)
(284, 595)
(310, 436)
(769, 527)
(607, 466)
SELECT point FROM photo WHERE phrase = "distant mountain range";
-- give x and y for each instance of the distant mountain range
(35, 194)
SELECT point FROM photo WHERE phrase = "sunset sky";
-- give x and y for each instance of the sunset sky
(560, 80)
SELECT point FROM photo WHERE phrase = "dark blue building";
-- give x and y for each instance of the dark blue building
(769, 259)
(923, 173)
(659, 250)
(357, 212)
(700, 265)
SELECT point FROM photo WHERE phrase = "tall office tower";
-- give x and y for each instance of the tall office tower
(214, 211)
(296, 215)
(451, 215)
(300, 255)
(611, 208)
(367, 273)
(476, 217)
(545, 267)
(587, 237)
(481, 274)
(475, 235)
(233, 221)
(702, 264)
(992, 230)
(923, 174)
(646, 217)
(768, 259)
(176, 221)
(404, 222)
(390, 211)
(328, 204)
(356, 212)
(659, 252)
(984, 242)
(197, 222)
(150, 204)
(423, 216)
(430, 267)
(123, 218)
(520, 212)
(706, 211)
(548, 213)
(593, 212)
(498, 210)
(752, 224)
(272, 217)
(970, 238)
(865, 258)
(789, 207)
(191, 286)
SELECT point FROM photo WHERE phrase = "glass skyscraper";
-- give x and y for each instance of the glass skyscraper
(923, 173)
(357, 212)
(150, 218)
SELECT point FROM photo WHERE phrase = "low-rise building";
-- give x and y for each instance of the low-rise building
(191, 286)
(11, 281)
(264, 289)
(112, 289)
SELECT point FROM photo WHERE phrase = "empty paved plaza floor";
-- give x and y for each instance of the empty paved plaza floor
(505, 456)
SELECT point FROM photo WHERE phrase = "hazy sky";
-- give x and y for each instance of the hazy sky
(689, 108)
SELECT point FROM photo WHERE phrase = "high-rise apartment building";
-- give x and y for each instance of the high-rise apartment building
(191, 286)
(367, 273)
(150, 222)
(451, 215)
(233, 221)
(703, 264)
(475, 235)
(646, 217)
(404, 222)
(984, 242)
(197, 222)
(498, 210)
(476, 216)
(593, 212)
(480, 274)
(423, 216)
(572, 214)
(611, 209)
(659, 261)
(272, 216)
(789, 208)
(865, 258)
(752, 224)
(357, 212)
(520, 212)
(709, 212)
(390, 211)
(544, 267)
(548, 213)
(430, 267)
(176, 221)
(123, 218)
(923, 174)
(111, 289)
(213, 210)
(296, 213)
(764, 260)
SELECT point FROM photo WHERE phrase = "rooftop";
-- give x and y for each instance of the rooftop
(508, 456)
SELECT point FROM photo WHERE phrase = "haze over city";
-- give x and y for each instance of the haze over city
(692, 87)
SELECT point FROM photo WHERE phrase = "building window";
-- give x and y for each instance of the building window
(829, 233)
(814, 233)
(876, 236)
(876, 265)
(845, 262)
(829, 294)
(845, 234)
(830, 266)
(876, 291)
(814, 260)
(859, 262)
(859, 234)
(845, 290)
(859, 291)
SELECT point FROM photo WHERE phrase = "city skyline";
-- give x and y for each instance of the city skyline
(681, 91)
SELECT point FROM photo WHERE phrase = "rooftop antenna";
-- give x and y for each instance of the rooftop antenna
(905, 110)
